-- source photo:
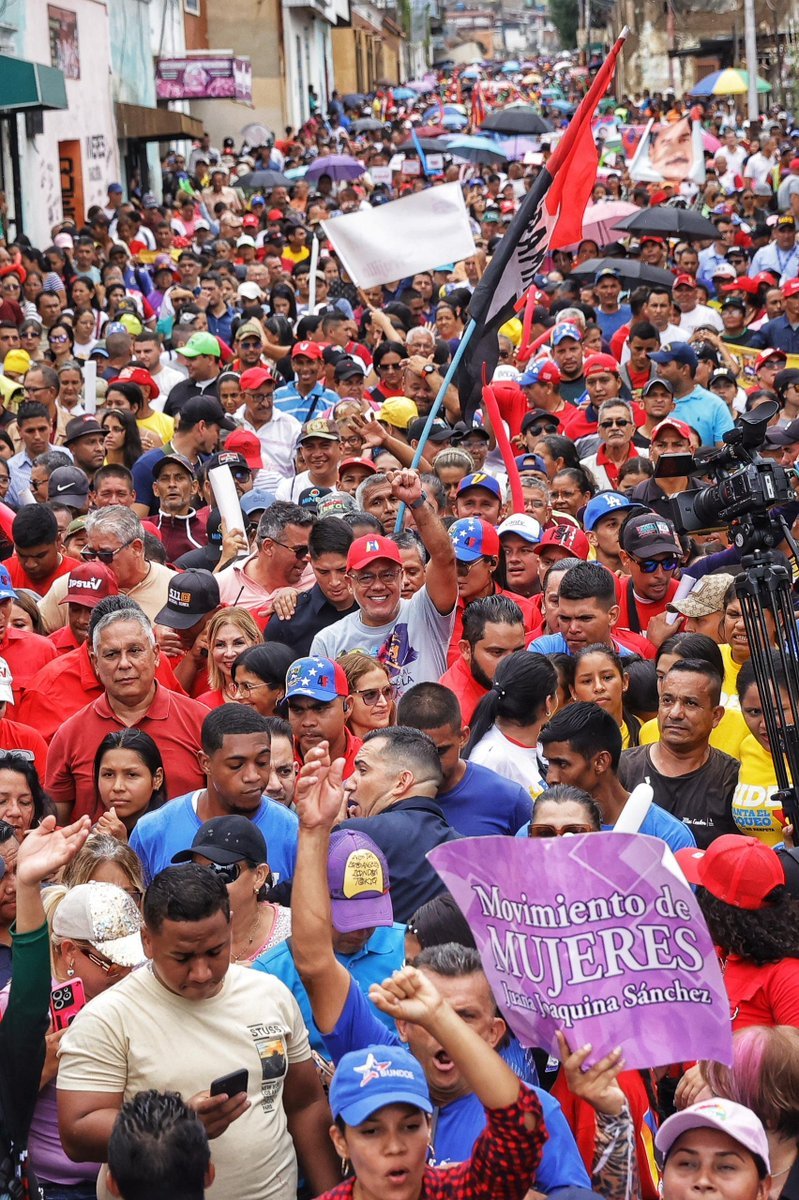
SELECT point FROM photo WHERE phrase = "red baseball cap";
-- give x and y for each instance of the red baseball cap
(600, 362)
(139, 376)
(741, 871)
(791, 288)
(308, 349)
(274, 214)
(650, 237)
(357, 462)
(772, 352)
(742, 284)
(242, 441)
(255, 377)
(89, 583)
(368, 549)
(684, 280)
(250, 221)
(571, 540)
(668, 423)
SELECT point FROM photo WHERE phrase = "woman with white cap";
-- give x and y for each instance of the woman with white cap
(717, 1150)
(95, 941)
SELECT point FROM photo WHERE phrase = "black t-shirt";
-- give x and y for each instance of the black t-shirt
(702, 800)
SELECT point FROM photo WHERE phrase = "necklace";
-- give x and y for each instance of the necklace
(252, 932)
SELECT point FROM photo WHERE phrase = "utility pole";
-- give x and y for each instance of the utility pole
(750, 45)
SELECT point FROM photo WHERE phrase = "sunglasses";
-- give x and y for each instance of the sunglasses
(106, 966)
(89, 554)
(549, 831)
(227, 872)
(650, 565)
(299, 552)
(371, 696)
(614, 424)
(389, 367)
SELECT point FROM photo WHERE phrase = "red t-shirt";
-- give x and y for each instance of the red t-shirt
(26, 653)
(15, 736)
(643, 611)
(21, 579)
(762, 995)
(173, 722)
(352, 745)
(469, 692)
(63, 639)
(524, 603)
(64, 686)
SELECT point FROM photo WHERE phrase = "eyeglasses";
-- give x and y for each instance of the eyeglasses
(33, 390)
(59, 337)
(614, 424)
(371, 696)
(549, 831)
(650, 565)
(89, 554)
(368, 577)
(299, 552)
(246, 689)
(106, 966)
(463, 568)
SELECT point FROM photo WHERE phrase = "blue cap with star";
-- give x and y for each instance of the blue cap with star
(372, 1078)
(472, 539)
(316, 678)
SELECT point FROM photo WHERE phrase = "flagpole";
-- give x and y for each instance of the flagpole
(439, 400)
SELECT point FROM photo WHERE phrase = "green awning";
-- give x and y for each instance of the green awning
(29, 86)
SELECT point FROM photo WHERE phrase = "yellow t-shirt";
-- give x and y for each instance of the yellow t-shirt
(295, 256)
(728, 735)
(729, 688)
(159, 423)
(752, 807)
(139, 1035)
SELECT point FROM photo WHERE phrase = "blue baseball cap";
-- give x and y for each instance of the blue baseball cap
(680, 352)
(472, 539)
(114, 327)
(317, 678)
(374, 1077)
(257, 498)
(6, 587)
(531, 462)
(480, 479)
(607, 271)
(601, 505)
(543, 370)
(566, 330)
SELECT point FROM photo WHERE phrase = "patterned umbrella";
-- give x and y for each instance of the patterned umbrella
(729, 82)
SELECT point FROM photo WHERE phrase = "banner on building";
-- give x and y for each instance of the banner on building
(64, 48)
(595, 936)
(206, 77)
(670, 153)
(398, 239)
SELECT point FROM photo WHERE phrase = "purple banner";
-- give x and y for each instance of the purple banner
(595, 936)
(207, 77)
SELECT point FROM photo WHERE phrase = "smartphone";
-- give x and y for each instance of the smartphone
(66, 1001)
(230, 1085)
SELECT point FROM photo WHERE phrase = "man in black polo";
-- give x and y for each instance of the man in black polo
(328, 600)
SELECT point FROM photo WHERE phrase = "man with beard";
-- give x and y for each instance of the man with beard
(493, 628)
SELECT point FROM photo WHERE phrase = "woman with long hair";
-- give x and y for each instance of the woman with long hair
(508, 720)
(104, 858)
(558, 453)
(83, 294)
(129, 776)
(258, 675)
(283, 302)
(600, 676)
(228, 633)
(30, 338)
(372, 693)
(60, 340)
(122, 437)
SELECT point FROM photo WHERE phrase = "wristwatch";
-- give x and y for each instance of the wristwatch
(429, 369)
(418, 503)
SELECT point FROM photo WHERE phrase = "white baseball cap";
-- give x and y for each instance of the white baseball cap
(6, 694)
(523, 526)
(737, 1122)
(105, 917)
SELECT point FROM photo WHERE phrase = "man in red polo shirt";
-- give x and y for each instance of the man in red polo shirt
(87, 584)
(651, 554)
(16, 736)
(616, 429)
(37, 560)
(493, 628)
(318, 701)
(124, 655)
(25, 652)
(67, 683)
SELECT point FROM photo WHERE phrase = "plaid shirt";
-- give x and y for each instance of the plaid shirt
(503, 1163)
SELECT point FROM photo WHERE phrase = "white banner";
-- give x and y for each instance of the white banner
(405, 236)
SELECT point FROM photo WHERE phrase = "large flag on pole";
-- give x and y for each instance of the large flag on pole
(551, 215)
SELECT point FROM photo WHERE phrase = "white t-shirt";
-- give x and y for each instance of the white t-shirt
(413, 646)
(138, 1035)
(701, 315)
(509, 759)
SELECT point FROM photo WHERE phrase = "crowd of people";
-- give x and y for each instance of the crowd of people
(228, 966)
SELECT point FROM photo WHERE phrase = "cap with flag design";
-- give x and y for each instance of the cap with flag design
(316, 678)
(480, 479)
(566, 329)
(374, 1077)
(369, 549)
(473, 539)
(6, 692)
(357, 876)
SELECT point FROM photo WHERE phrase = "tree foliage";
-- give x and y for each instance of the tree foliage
(564, 14)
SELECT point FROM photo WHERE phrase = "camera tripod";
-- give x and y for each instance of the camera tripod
(764, 587)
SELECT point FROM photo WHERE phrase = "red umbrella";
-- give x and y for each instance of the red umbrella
(432, 131)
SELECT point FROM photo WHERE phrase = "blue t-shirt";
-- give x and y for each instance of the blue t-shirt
(304, 408)
(382, 955)
(555, 643)
(160, 834)
(610, 322)
(485, 803)
(460, 1124)
(705, 412)
(657, 823)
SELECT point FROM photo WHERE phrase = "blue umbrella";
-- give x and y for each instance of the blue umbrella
(455, 121)
(471, 73)
(477, 150)
(404, 93)
(561, 105)
(511, 66)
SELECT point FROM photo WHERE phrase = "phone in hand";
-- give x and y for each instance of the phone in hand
(230, 1085)
(66, 1001)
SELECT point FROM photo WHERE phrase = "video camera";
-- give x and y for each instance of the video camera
(747, 484)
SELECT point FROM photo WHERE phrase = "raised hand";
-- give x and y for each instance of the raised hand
(319, 790)
(46, 849)
(599, 1084)
(110, 823)
(406, 485)
(407, 995)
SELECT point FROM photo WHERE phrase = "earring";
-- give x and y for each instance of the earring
(345, 1167)
(71, 970)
